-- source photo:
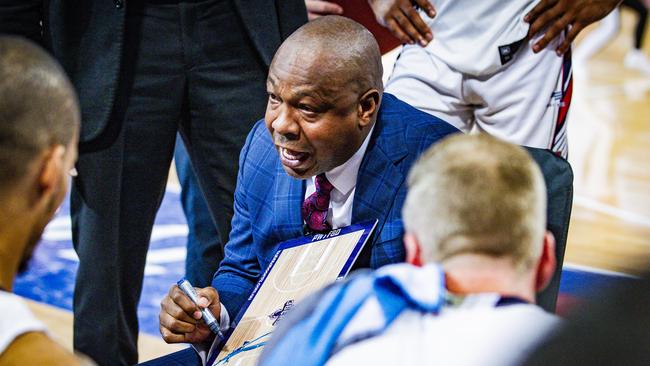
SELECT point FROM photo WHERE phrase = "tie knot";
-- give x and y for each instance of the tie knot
(315, 207)
(323, 185)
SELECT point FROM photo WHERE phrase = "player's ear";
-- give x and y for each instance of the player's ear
(547, 262)
(52, 163)
(368, 105)
(413, 251)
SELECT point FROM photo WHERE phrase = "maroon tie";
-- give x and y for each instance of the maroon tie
(315, 207)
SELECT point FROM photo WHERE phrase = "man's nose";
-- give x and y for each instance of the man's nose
(286, 125)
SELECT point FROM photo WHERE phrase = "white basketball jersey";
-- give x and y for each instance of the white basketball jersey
(478, 37)
(15, 319)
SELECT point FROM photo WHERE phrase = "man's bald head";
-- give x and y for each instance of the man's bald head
(324, 88)
(338, 48)
(38, 106)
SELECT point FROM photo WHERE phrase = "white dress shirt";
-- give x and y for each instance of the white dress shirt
(344, 180)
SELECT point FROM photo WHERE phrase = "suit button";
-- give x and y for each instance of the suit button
(119, 3)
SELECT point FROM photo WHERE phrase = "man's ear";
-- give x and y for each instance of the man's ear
(547, 262)
(368, 105)
(413, 251)
(51, 169)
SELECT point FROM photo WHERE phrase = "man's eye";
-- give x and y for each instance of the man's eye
(273, 98)
(307, 108)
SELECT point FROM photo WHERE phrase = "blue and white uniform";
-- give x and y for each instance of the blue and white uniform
(476, 332)
(403, 315)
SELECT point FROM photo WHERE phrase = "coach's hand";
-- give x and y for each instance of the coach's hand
(557, 15)
(180, 319)
(403, 20)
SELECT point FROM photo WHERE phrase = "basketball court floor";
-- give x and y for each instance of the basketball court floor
(609, 236)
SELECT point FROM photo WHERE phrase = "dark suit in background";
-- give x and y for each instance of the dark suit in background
(140, 67)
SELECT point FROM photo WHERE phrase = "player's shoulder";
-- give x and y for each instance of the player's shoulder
(36, 348)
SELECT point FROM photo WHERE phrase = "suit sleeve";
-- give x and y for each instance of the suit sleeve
(22, 18)
(240, 270)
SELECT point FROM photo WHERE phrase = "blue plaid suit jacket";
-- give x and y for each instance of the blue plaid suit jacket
(267, 200)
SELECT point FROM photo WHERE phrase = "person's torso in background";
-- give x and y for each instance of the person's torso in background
(467, 34)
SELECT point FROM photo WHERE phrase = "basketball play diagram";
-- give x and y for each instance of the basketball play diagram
(299, 268)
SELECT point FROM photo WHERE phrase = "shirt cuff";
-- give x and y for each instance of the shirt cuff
(205, 350)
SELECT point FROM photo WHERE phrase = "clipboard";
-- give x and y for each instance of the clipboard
(300, 267)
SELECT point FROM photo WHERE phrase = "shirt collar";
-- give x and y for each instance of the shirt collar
(344, 176)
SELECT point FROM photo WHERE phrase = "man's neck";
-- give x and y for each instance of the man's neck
(344, 176)
(12, 242)
(475, 274)
(8, 268)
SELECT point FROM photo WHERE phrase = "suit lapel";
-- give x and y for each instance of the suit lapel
(261, 22)
(288, 197)
(377, 184)
(380, 176)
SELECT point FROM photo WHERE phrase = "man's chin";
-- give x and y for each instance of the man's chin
(299, 173)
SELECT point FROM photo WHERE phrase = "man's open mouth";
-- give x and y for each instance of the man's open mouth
(292, 158)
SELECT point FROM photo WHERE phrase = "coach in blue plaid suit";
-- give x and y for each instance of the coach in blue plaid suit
(327, 117)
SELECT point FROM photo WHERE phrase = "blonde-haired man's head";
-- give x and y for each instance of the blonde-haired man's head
(477, 195)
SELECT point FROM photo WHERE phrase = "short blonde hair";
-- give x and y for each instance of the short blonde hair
(477, 194)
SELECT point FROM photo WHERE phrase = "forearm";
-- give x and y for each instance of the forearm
(233, 291)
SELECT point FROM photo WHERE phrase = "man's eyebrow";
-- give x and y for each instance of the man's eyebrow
(271, 80)
(321, 93)
(308, 93)
(322, 96)
(324, 103)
